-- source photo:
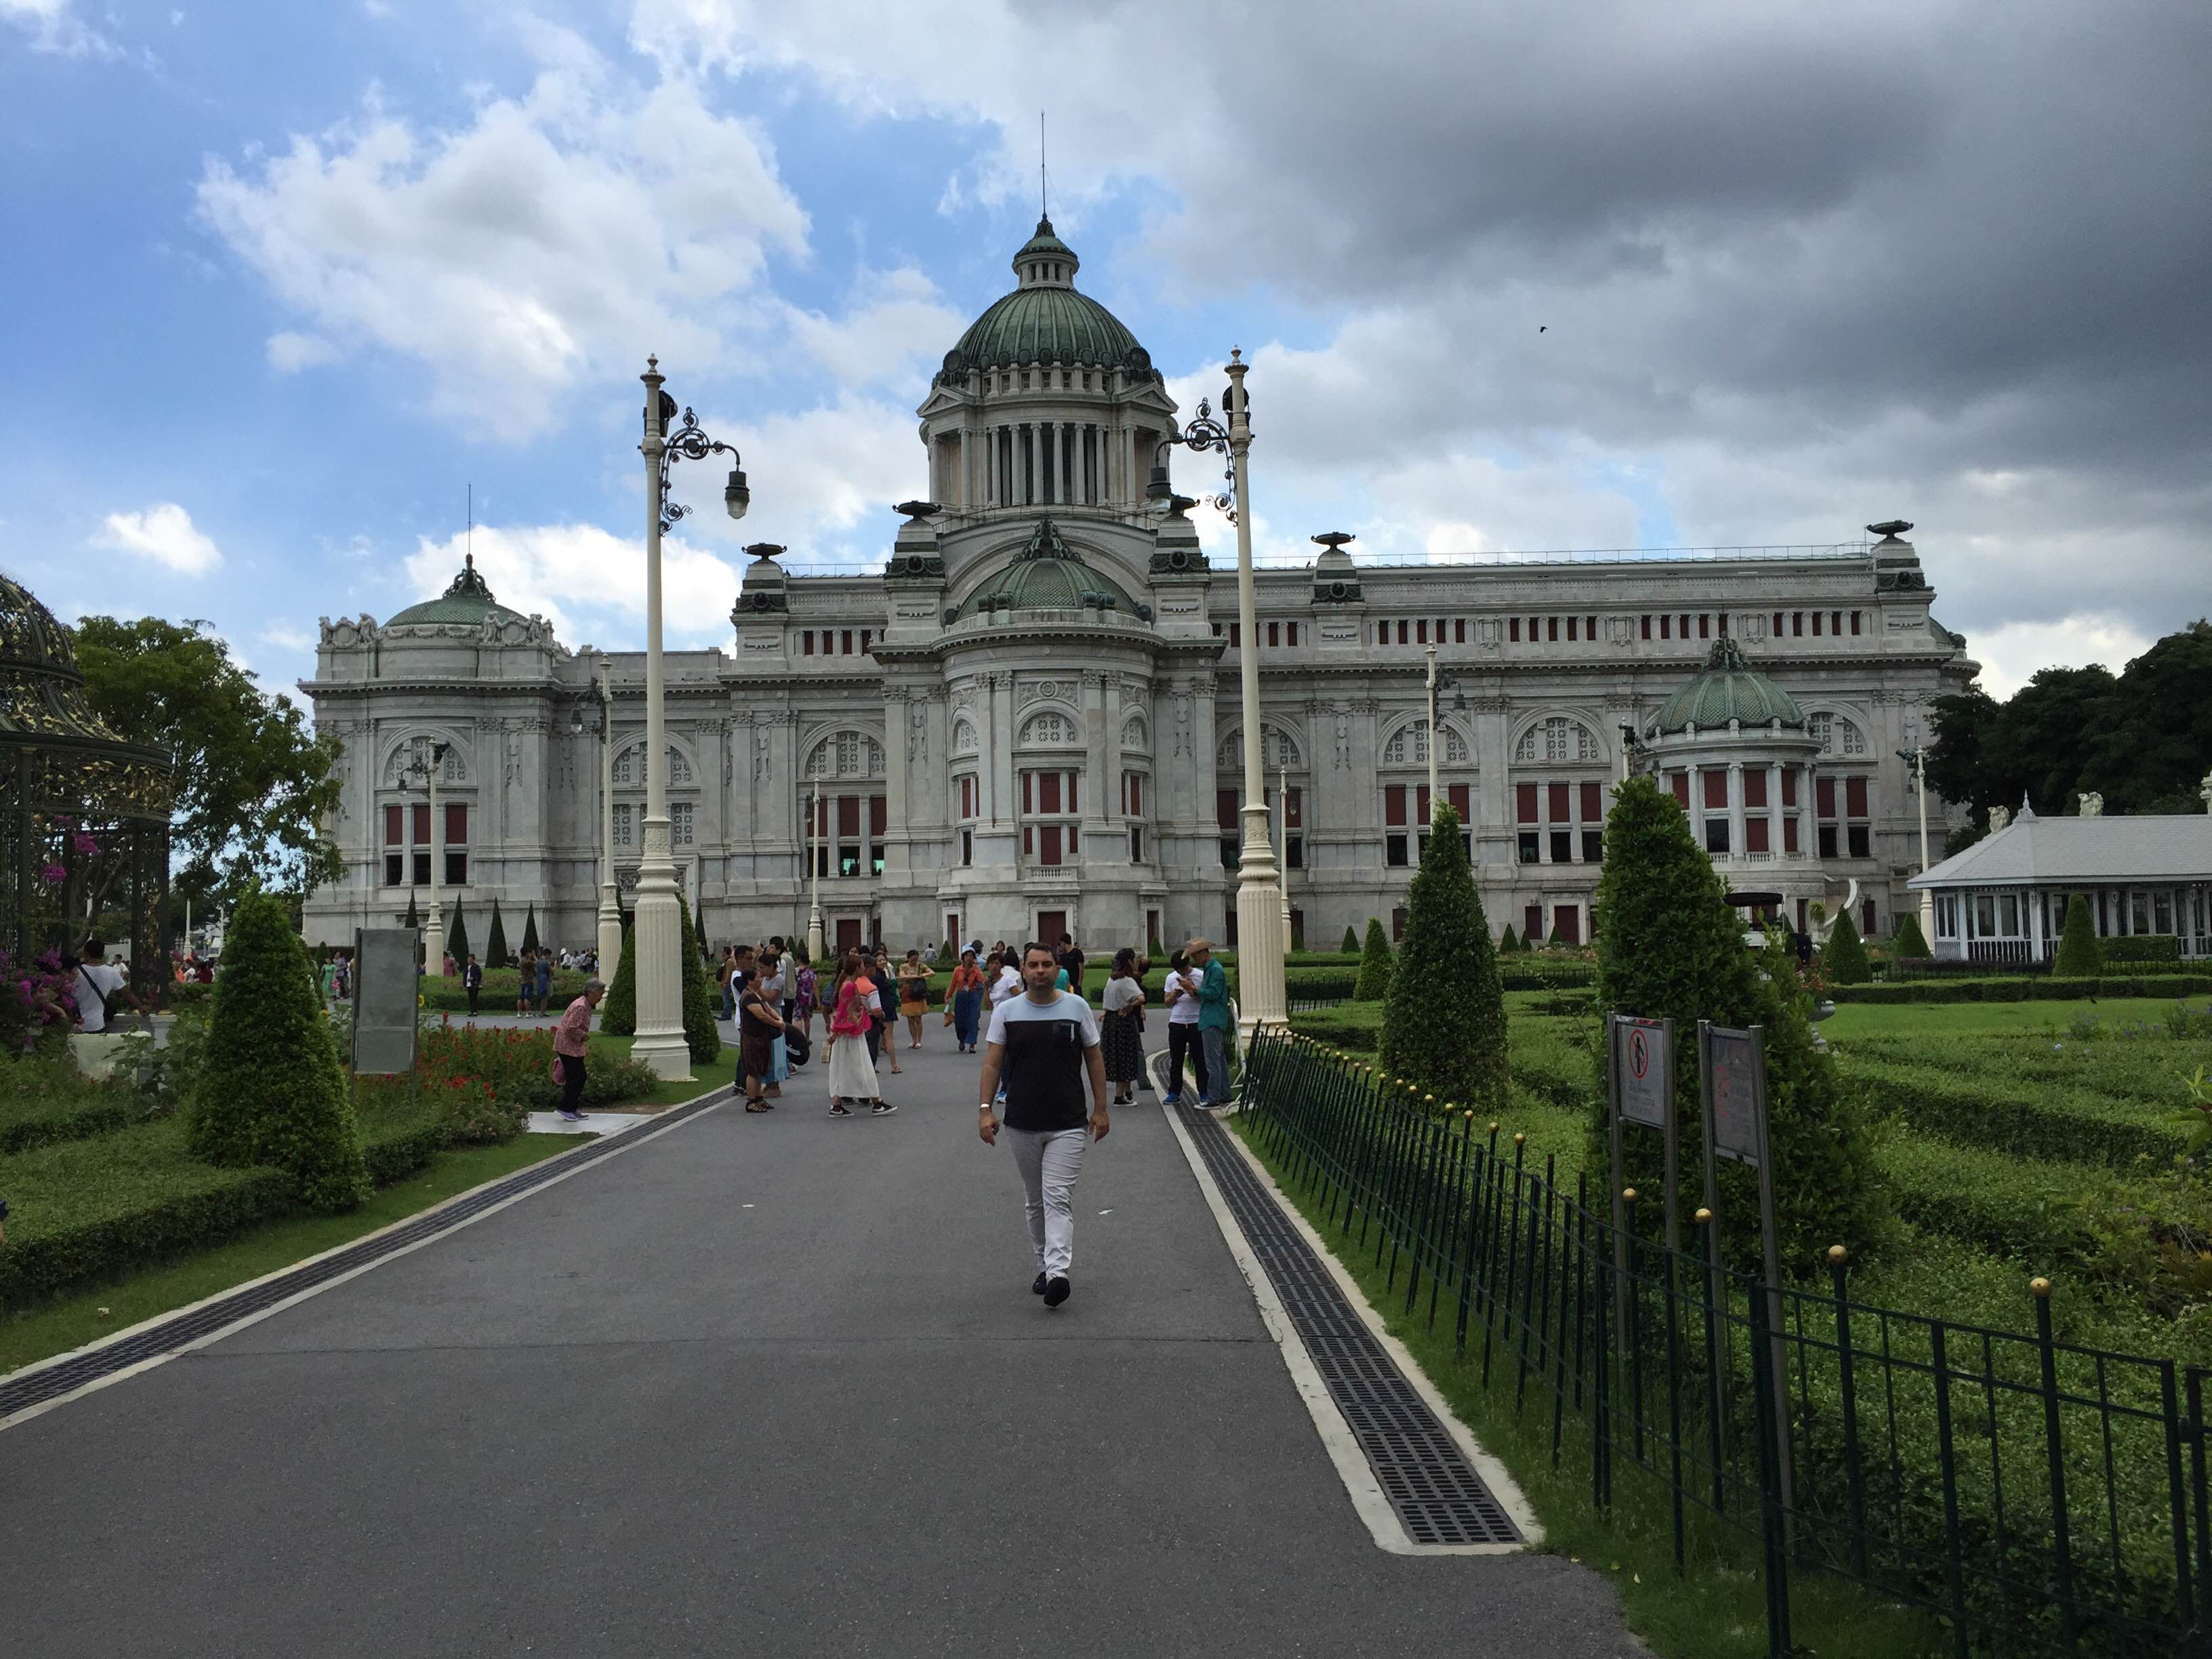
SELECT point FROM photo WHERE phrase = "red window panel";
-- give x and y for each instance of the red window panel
(1401, 632)
(1224, 808)
(845, 649)
(1590, 627)
(865, 635)
(1235, 633)
(1048, 843)
(1274, 635)
(1551, 632)
(1071, 840)
(1532, 921)
(1073, 805)
(1294, 809)
(1394, 805)
(1029, 841)
(1558, 796)
(1459, 630)
(878, 815)
(1777, 625)
(1421, 632)
(1028, 792)
(1705, 625)
(1754, 786)
(1716, 789)
(1293, 634)
(1754, 835)
(806, 643)
(1646, 622)
(1048, 791)
(1513, 630)
(1421, 804)
(1835, 622)
(418, 824)
(1824, 796)
(821, 817)
(1720, 623)
(1680, 782)
(1816, 625)
(1381, 633)
(1789, 834)
(1571, 622)
(457, 823)
(1856, 615)
(1524, 802)
(1535, 629)
(1797, 623)
(395, 818)
(1684, 621)
(1788, 785)
(848, 815)
(1458, 793)
(1854, 798)
(1593, 802)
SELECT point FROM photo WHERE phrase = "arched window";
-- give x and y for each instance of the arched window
(1050, 727)
(630, 766)
(964, 735)
(1557, 738)
(1280, 750)
(1133, 735)
(1837, 735)
(410, 763)
(1409, 746)
(846, 755)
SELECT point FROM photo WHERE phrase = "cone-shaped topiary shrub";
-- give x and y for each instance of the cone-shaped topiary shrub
(1670, 946)
(945, 956)
(1351, 945)
(619, 1008)
(1845, 960)
(1443, 1027)
(1552, 938)
(530, 931)
(703, 1037)
(495, 951)
(1373, 982)
(1506, 941)
(1910, 944)
(456, 938)
(414, 916)
(272, 1090)
(2079, 956)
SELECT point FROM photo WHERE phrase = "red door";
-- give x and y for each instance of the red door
(849, 934)
(1568, 920)
(1532, 923)
(1051, 924)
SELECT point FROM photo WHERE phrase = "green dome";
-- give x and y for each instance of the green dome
(1048, 575)
(1045, 321)
(467, 602)
(1728, 689)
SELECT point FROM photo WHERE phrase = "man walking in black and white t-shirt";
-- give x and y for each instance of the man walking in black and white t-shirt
(1044, 1042)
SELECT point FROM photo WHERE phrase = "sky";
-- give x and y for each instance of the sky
(288, 285)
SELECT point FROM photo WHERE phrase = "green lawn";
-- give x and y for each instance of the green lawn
(34, 1333)
(1945, 1019)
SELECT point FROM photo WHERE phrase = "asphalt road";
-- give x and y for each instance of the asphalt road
(769, 1384)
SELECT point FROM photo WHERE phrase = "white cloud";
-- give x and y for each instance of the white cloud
(289, 353)
(580, 577)
(287, 636)
(555, 239)
(2012, 652)
(165, 533)
(896, 327)
(53, 26)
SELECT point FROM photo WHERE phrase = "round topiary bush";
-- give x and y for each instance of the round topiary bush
(271, 1088)
(1373, 983)
(1443, 1027)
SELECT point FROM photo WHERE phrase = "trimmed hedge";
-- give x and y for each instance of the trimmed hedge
(27, 1123)
(1993, 1200)
(2141, 947)
(2070, 1126)
(2026, 990)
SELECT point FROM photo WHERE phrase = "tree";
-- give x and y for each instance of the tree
(530, 931)
(456, 937)
(1506, 941)
(701, 1033)
(1844, 958)
(2155, 757)
(2079, 956)
(1669, 946)
(413, 918)
(1910, 944)
(1351, 945)
(495, 951)
(271, 1089)
(255, 790)
(619, 1008)
(1443, 1026)
(1373, 982)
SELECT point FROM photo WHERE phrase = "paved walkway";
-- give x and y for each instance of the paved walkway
(767, 1384)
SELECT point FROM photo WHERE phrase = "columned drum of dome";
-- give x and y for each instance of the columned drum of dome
(86, 813)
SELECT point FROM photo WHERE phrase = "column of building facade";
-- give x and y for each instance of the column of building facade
(896, 830)
(1697, 807)
(1120, 703)
(1774, 837)
(1495, 826)
(1808, 835)
(1736, 846)
(1094, 802)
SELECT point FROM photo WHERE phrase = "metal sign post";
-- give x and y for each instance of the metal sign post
(1732, 1069)
(1640, 1090)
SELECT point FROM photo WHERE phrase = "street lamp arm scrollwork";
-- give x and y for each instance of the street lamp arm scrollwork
(689, 442)
(1203, 435)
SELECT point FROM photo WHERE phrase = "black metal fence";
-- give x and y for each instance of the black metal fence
(2032, 1496)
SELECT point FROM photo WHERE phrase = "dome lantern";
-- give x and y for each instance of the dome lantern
(1045, 320)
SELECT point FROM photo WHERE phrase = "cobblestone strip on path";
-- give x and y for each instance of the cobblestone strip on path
(28, 1391)
(1439, 1497)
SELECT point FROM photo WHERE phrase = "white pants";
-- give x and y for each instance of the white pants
(1049, 1160)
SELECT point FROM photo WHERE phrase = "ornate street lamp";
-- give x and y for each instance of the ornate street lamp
(1439, 683)
(1262, 934)
(1916, 758)
(815, 944)
(601, 722)
(434, 951)
(661, 1043)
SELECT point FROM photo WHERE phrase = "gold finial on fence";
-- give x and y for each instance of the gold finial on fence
(1493, 1126)
(1428, 1100)
(1628, 1195)
(1839, 1255)
(1704, 1216)
(2039, 1287)
(1520, 1139)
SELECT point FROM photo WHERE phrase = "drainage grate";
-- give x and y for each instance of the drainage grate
(171, 1335)
(1423, 1471)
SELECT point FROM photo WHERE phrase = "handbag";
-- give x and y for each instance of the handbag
(797, 1047)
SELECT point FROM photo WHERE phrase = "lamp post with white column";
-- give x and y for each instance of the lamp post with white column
(1916, 758)
(1283, 852)
(1262, 934)
(661, 1042)
(434, 949)
(1438, 683)
(814, 942)
(610, 917)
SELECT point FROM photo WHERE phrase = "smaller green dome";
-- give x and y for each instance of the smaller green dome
(466, 602)
(1045, 321)
(1048, 575)
(1728, 689)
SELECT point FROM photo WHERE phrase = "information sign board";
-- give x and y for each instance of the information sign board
(385, 989)
(1736, 1081)
(1644, 1069)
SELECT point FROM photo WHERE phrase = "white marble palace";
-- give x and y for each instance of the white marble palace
(1028, 721)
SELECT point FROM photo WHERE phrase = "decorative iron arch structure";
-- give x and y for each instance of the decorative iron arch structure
(85, 814)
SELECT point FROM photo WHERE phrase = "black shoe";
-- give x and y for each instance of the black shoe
(1037, 1289)
(1055, 1292)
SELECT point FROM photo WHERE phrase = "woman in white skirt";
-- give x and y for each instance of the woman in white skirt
(852, 1006)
